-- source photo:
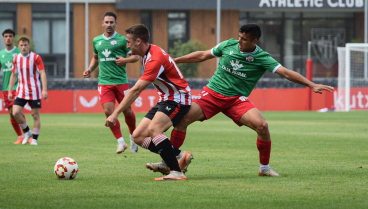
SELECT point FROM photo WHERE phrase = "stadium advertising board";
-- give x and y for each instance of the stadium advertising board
(270, 99)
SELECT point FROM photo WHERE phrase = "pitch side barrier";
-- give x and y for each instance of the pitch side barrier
(270, 99)
(269, 95)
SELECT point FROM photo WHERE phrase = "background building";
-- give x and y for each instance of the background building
(287, 26)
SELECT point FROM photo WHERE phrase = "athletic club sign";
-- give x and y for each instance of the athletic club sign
(311, 3)
(242, 4)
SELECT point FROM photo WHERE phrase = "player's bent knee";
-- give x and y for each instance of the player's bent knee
(127, 112)
(36, 116)
(262, 127)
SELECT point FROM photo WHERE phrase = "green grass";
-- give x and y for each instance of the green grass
(322, 158)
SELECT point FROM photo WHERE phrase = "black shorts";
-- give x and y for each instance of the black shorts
(172, 109)
(23, 102)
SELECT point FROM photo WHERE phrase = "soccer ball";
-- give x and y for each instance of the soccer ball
(66, 168)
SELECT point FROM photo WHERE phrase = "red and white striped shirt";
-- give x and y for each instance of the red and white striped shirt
(27, 68)
(162, 71)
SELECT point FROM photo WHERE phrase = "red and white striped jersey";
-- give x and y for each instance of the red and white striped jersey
(162, 71)
(27, 68)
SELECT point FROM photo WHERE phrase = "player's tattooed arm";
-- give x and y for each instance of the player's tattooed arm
(92, 66)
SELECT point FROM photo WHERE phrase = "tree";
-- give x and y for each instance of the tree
(190, 70)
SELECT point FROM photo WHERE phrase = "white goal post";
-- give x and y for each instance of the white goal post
(352, 91)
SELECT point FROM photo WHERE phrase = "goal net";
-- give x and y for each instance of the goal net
(352, 85)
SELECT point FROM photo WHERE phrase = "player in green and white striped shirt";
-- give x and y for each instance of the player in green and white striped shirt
(241, 65)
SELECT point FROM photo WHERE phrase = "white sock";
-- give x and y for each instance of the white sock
(263, 167)
(121, 140)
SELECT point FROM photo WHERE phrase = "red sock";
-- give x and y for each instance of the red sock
(16, 127)
(177, 138)
(264, 148)
(116, 129)
(130, 121)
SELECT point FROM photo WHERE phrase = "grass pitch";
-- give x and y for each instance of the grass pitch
(322, 158)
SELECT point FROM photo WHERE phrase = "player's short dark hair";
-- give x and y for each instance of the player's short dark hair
(23, 38)
(8, 31)
(139, 31)
(110, 14)
(252, 29)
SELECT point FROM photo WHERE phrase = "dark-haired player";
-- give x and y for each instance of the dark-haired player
(241, 65)
(110, 54)
(6, 64)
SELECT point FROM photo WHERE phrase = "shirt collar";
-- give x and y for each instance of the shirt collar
(108, 38)
(11, 49)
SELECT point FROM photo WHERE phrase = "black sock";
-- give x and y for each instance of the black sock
(152, 147)
(176, 151)
(165, 150)
(26, 129)
(35, 136)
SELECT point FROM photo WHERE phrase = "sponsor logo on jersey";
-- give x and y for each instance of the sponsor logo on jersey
(249, 59)
(231, 52)
(99, 43)
(9, 66)
(236, 64)
(106, 53)
(113, 42)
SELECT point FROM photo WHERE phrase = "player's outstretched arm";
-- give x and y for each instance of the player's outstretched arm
(297, 78)
(129, 98)
(198, 56)
(92, 66)
(120, 61)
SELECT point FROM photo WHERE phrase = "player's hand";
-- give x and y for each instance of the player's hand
(110, 121)
(45, 95)
(10, 96)
(318, 88)
(120, 61)
(87, 73)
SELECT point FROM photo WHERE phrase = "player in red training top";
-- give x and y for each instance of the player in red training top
(29, 67)
(175, 100)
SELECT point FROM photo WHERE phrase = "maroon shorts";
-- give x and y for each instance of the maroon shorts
(212, 103)
(110, 93)
(8, 103)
